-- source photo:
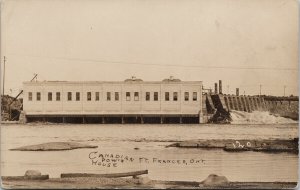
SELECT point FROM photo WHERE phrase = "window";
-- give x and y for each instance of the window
(29, 96)
(38, 96)
(116, 96)
(97, 96)
(186, 96)
(175, 96)
(194, 96)
(77, 96)
(108, 96)
(147, 96)
(127, 96)
(136, 96)
(89, 96)
(155, 96)
(57, 96)
(49, 96)
(69, 96)
(167, 96)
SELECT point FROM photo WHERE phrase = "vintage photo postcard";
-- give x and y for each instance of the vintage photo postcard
(149, 94)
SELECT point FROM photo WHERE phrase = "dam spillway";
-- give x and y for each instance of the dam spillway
(284, 107)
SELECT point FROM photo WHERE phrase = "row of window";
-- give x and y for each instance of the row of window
(116, 97)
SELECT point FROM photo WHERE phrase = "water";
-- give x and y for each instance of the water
(257, 117)
(149, 141)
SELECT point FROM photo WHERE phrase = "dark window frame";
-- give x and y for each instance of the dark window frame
(155, 96)
(77, 96)
(136, 96)
(128, 96)
(97, 96)
(186, 96)
(147, 96)
(108, 96)
(69, 96)
(175, 96)
(117, 97)
(89, 96)
(57, 96)
(50, 96)
(167, 96)
(38, 96)
(195, 97)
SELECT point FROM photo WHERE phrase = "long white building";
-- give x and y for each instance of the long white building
(130, 98)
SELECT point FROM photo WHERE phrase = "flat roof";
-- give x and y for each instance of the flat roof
(112, 82)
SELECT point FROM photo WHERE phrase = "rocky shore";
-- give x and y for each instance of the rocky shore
(211, 182)
(268, 145)
(53, 146)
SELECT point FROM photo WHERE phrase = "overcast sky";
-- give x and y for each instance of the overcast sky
(245, 43)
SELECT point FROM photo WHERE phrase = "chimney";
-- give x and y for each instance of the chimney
(220, 86)
(216, 88)
(237, 91)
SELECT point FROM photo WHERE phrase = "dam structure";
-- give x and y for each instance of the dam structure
(131, 101)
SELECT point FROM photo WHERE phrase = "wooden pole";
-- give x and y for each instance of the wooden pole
(3, 91)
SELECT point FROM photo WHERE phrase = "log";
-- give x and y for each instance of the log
(41, 177)
(112, 175)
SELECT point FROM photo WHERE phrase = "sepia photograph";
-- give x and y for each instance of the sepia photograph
(149, 94)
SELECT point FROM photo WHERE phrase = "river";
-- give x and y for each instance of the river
(135, 143)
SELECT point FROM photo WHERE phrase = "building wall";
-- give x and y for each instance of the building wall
(112, 107)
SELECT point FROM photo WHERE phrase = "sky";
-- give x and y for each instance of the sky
(244, 43)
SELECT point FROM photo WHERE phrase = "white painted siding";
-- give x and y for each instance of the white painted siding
(117, 107)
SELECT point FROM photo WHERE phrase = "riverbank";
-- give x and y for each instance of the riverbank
(140, 183)
(260, 145)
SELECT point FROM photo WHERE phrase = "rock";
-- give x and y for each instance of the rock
(33, 173)
(214, 179)
(143, 180)
(51, 146)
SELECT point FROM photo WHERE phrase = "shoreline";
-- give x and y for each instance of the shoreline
(229, 145)
(132, 183)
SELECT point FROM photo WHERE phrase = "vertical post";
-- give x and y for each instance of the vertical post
(161, 120)
(260, 90)
(216, 88)
(9, 113)
(237, 91)
(142, 120)
(4, 61)
(220, 87)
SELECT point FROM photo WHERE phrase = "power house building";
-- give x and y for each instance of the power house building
(129, 101)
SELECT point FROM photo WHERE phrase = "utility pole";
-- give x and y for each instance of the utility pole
(260, 90)
(4, 61)
(227, 89)
(284, 90)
